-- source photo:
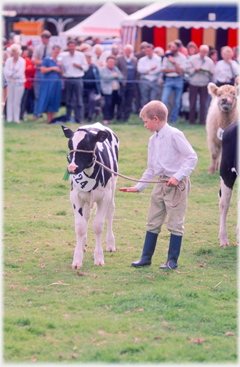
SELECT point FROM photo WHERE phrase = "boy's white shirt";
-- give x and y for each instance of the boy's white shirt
(169, 154)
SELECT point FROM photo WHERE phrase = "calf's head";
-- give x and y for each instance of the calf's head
(81, 145)
(226, 95)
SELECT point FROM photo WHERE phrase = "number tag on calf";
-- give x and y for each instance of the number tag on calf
(220, 133)
(83, 182)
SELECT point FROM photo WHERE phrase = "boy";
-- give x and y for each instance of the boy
(172, 158)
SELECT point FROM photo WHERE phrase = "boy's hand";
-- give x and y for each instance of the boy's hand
(128, 189)
(172, 182)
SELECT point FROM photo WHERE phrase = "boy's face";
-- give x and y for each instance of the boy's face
(151, 124)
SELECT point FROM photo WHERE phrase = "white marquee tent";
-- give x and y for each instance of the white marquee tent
(104, 23)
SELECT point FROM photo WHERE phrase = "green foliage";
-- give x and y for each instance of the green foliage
(115, 313)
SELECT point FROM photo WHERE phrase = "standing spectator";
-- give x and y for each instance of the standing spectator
(84, 47)
(41, 51)
(127, 64)
(236, 54)
(181, 48)
(200, 69)
(142, 51)
(97, 52)
(227, 69)
(92, 88)
(74, 66)
(51, 86)
(192, 50)
(149, 68)
(15, 73)
(4, 90)
(115, 51)
(10, 40)
(184, 110)
(5, 53)
(29, 75)
(173, 67)
(110, 77)
(213, 54)
(138, 55)
(159, 51)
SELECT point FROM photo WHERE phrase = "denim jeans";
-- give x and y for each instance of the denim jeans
(176, 85)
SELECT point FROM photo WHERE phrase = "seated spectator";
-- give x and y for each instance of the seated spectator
(127, 64)
(149, 68)
(227, 69)
(29, 75)
(51, 86)
(110, 78)
(14, 70)
(91, 87)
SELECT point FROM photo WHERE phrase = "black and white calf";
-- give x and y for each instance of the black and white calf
(228, 175)
(92, 183)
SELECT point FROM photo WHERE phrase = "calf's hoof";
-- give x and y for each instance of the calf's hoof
(97, 263)
(76, 265)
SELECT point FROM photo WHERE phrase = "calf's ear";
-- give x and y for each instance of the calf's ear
(212, 89)
(101, 136)
(67, 132)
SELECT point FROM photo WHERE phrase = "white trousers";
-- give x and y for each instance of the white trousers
(14, 99)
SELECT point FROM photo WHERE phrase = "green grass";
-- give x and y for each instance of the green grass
(114, 313)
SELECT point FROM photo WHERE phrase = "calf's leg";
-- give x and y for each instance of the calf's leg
(81, 216)
(225, 199)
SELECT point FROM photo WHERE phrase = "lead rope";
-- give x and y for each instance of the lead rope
(178, 188)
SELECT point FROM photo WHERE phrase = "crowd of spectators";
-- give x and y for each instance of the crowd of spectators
(88, 79)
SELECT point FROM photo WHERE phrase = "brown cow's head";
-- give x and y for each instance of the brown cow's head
(226, 95)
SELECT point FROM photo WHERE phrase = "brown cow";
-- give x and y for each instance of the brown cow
(222, 111)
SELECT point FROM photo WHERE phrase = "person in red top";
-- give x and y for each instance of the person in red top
(29, 74)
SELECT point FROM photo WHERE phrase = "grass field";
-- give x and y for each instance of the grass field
(114, 313)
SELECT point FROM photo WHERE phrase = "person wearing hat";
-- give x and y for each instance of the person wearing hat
(40, 52)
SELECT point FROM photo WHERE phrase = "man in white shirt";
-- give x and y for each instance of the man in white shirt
(149, 68)
(200, 69)
(173, 67)
(74, 65)
(172, 158)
